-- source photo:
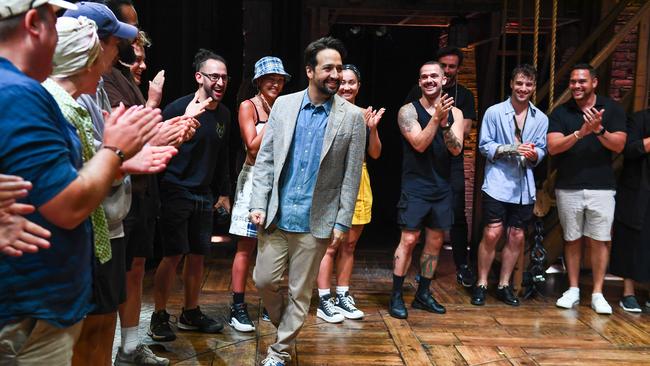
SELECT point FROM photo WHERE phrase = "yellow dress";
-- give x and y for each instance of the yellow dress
(363, 207)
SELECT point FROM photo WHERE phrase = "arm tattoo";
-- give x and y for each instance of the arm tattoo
(428, 264)
(406, 118)
(451, 140)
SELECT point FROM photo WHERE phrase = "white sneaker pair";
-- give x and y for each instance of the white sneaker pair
(571, 297)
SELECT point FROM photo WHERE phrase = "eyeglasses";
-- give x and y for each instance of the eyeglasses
(216, 77)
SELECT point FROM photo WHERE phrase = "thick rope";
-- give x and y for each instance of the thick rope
(551, 90)
(535, 41)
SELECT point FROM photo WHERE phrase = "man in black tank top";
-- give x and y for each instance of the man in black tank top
(430, 140)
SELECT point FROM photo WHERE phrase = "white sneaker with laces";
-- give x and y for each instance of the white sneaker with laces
(600, 305)
(270, 361)
(327, 311)
(344, 303)
(569, 298)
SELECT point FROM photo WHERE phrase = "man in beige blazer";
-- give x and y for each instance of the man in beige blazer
(305, 184)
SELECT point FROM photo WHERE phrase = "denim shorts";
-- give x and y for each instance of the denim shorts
(185, 220)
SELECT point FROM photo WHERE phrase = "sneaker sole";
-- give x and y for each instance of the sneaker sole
(182, 326)
(567, 307)
(350, 315)
(245, 328)
(609, 312)
(158, 338)
(629, 310)
(330, 319)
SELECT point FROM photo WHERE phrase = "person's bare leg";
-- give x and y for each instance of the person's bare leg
(241, 263)
(163, 281)
(404, 251)
(129, 310)
(95, 344)
(324, 279)
(628, 287)
(345, 259)
(510, 254)
(486, 251)
(192, 279)
(431, 252)
(599, 261)
(572, 254)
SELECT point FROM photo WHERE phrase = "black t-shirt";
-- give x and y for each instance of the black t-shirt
(587, 164)
(426, 174)
(202, 162)
(463, 98)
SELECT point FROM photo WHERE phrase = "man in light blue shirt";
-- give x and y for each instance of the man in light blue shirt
(305, 185)
(513, 139)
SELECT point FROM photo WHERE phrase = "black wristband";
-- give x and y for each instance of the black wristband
(601, 132)
(117, 152)
(445, 128)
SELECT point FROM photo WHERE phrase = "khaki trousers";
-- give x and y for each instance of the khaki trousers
(36, 342)
(301, 253)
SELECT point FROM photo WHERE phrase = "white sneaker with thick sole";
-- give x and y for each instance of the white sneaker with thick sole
(600, 305)
(345, 305)
(569, 299)
(327, 311)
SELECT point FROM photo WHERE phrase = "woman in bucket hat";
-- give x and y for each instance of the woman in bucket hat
(269, 79)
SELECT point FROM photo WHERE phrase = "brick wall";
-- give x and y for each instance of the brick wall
(624, 57)
(467, 77)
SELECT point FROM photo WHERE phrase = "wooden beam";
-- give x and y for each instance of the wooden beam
(586, 45)
(642, 60)
(611, 46)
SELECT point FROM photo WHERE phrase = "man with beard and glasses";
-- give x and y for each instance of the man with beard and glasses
(305, 185)
(187, 203)
(430, 139)
(513, 139)
(451, 58)
(583, 134)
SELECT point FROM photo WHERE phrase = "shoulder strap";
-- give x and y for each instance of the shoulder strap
(257, 115)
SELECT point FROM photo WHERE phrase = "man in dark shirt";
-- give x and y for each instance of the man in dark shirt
(430, 138)
(583, 133)
(186, 197)
(451, 58)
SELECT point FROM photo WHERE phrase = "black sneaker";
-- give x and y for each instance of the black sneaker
(265, 315)
(194, 319)
(425, 301)
(464, 276)
(507, 295)
(239, 318)
(327, 311)
(396, 307)
(159, 328)
(478, 295)
(629, 304)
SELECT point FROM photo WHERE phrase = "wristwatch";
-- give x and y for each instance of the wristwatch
(601, 132)
(117, 152)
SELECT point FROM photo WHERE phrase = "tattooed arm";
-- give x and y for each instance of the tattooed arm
(454, 135)
(419, 138)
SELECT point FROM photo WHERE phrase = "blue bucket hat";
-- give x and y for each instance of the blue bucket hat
(270, 65)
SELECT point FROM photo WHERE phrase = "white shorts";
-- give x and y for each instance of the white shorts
(586, 212)
(239, 222)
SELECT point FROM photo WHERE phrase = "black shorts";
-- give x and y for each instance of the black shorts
(185, 221)
(510, 214)
(414, 213)
(139, 227)
(109, 281)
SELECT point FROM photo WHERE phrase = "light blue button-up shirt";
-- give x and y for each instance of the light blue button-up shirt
(505, 179)
(301, 169)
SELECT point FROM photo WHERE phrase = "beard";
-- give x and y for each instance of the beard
(322, 86)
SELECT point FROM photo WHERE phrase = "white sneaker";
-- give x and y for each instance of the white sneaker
(327, 311)
(569, 298)
(600, 305)
(345, 305)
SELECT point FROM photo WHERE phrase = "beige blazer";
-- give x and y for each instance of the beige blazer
(339, 171)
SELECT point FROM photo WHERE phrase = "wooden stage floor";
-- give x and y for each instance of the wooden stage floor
(536, 333)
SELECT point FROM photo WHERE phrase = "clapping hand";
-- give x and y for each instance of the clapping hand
(372, 117)
(442, 108)
(196, 107)
(594, 119)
